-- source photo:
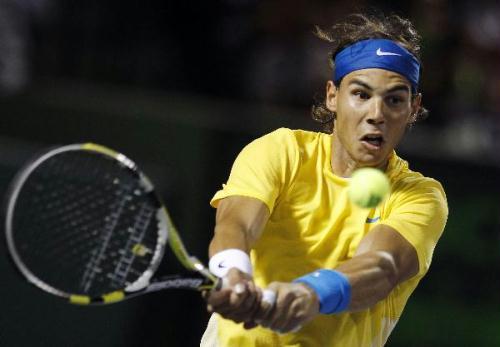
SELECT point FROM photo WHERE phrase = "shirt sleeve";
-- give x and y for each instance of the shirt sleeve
(262, 169)
(419, 212)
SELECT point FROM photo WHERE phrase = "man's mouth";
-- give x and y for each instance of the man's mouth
(373, 140)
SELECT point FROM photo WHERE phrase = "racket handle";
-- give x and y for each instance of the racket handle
(268, 296)
(222, 282)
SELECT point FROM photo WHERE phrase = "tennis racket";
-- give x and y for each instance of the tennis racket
(85, 224)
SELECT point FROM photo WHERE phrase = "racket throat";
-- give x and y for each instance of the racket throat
(198, 266)
(178, 282)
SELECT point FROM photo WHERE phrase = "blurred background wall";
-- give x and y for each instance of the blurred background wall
(181, 87)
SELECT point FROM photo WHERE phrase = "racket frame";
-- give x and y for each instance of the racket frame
(167, 233)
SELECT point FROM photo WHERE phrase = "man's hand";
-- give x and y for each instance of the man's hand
(239, 299)
(296, 304)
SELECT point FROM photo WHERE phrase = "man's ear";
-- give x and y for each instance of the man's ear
(416, 105)
(331, 96)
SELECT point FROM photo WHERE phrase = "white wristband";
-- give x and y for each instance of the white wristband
(221, 262)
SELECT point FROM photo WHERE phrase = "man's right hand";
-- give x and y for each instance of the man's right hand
(238, 299)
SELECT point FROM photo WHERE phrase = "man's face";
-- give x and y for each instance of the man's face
(373, 108)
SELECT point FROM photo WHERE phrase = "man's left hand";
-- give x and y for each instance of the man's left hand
(295, 305)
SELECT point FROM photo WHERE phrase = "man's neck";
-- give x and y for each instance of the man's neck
(342, 163)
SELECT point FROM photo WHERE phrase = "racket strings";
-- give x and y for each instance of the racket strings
(98, 254)
(86, 223)
(134, 246)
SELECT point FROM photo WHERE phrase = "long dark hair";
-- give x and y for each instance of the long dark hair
(358, 27)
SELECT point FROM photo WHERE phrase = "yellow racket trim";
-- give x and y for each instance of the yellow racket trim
(113, 296)
(98, 148)
(182, 255)
(79, 299)
(140, 250)
(177, 246)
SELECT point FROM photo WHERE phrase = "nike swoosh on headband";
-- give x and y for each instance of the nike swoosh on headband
(380, 52)
(377, 54)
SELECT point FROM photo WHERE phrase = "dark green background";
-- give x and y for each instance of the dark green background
(169, 83)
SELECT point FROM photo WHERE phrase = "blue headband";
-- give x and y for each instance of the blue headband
(380, 54)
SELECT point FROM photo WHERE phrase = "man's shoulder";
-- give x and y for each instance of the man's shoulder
(404, 178)
(297, 137)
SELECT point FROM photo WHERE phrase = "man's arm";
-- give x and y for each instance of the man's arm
(239, 223)
(383, 260)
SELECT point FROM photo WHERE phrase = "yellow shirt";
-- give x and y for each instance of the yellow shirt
(313, 225)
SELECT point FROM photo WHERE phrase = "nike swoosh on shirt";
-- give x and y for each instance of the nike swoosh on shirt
(372, 220)
(380, 53)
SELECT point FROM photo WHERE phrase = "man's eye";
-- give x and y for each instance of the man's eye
(394, 100)
(361, 95)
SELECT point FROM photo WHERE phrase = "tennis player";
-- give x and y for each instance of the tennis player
(341, 275)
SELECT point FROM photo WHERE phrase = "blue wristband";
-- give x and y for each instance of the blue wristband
(332, 288)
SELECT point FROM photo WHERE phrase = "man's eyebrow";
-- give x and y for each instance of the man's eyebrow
(361, 83)
(400, 87)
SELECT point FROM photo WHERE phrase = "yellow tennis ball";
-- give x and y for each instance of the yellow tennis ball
(368, 187)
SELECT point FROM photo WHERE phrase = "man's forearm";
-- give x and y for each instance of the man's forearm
(372, 275)
(239, 223)
(228, 235)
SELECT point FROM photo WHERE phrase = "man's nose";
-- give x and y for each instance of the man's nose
(376, 115)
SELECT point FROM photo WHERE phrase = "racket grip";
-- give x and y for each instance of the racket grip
(268, 296)
(221, 283)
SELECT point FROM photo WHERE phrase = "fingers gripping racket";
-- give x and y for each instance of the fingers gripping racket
(85, 224)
